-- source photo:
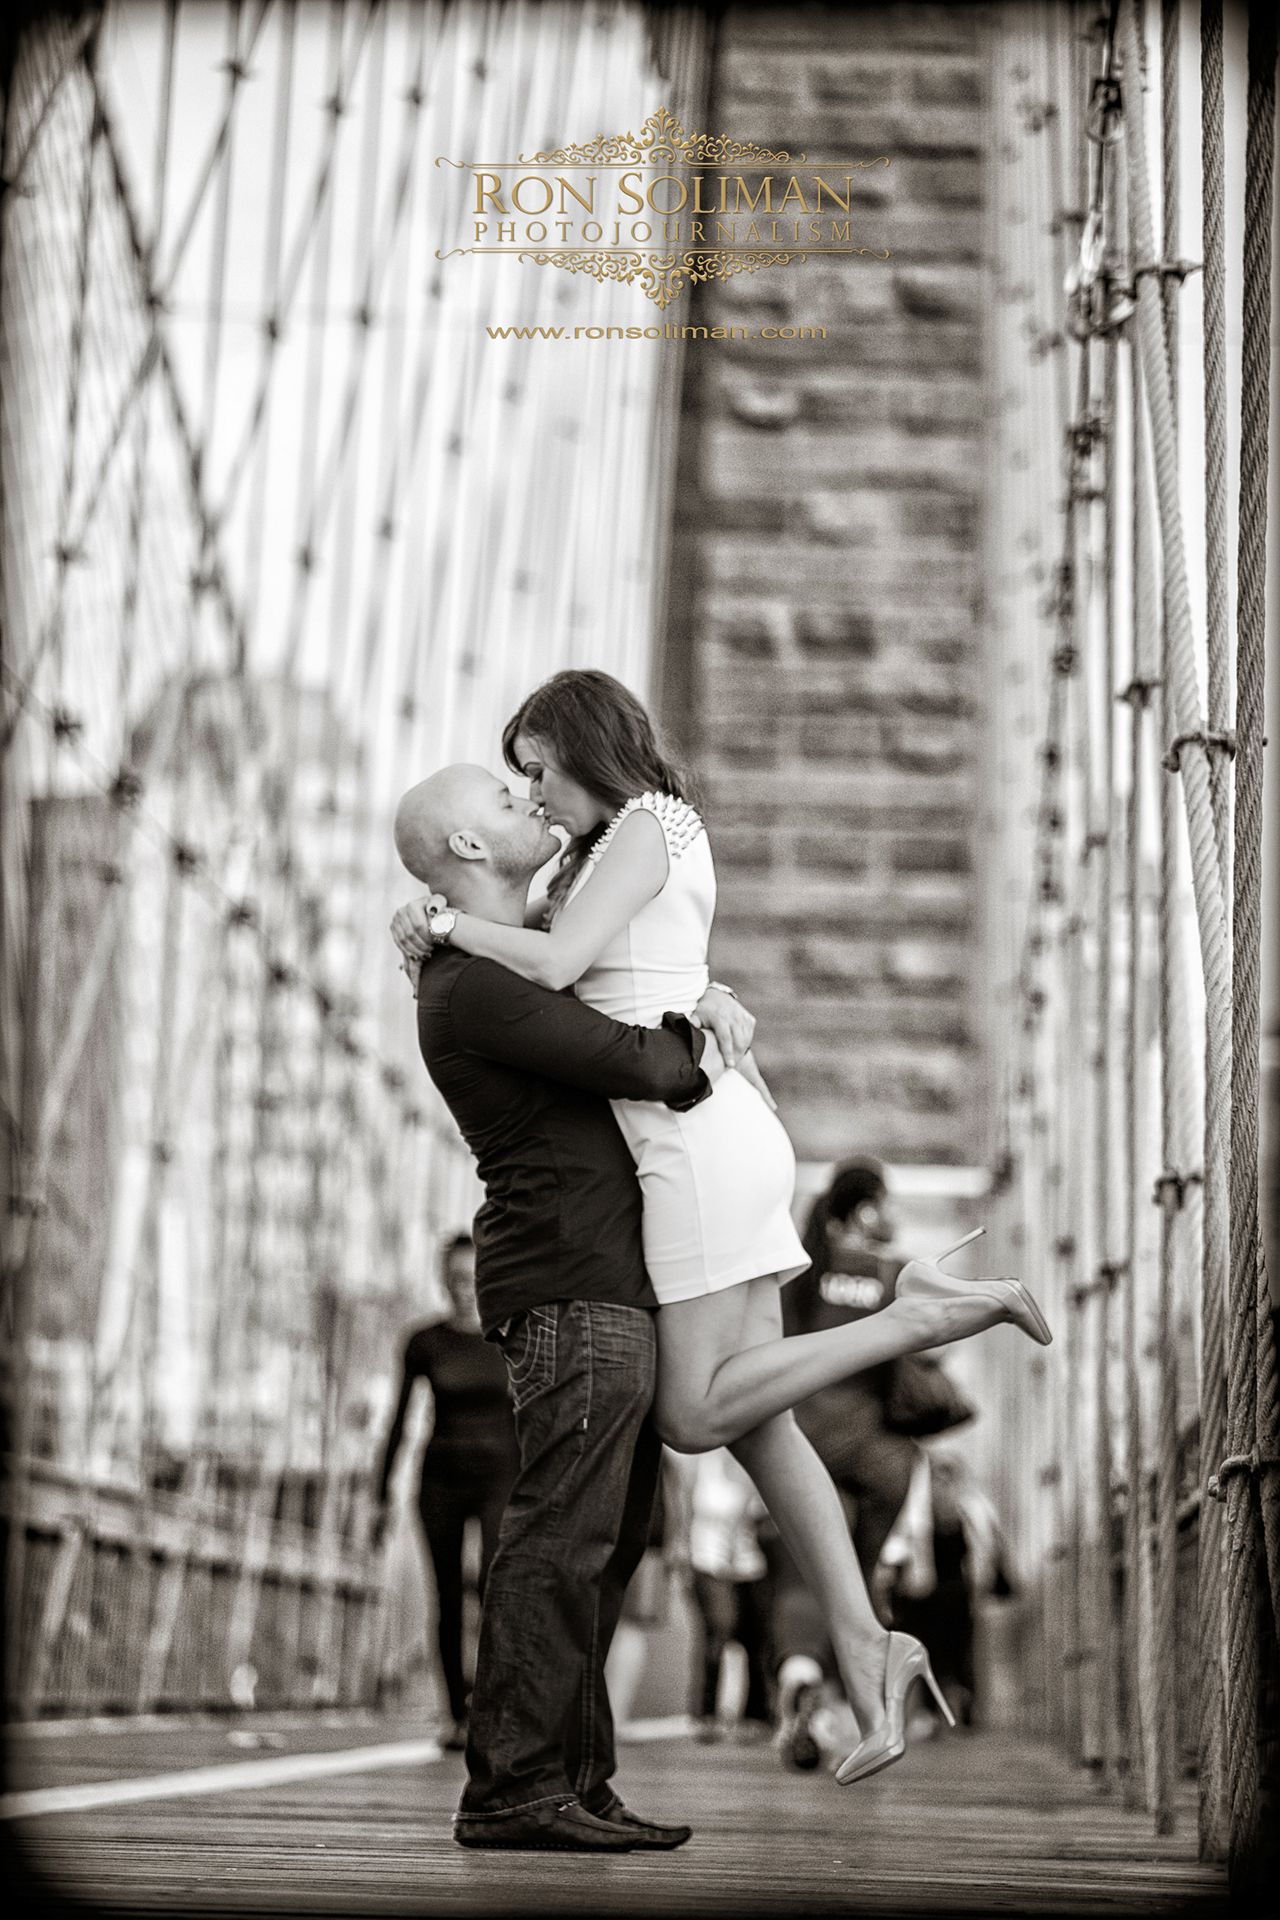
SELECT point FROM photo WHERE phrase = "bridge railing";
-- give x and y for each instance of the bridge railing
(253, 1591)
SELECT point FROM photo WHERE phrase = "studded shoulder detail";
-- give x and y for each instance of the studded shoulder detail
(681, 824)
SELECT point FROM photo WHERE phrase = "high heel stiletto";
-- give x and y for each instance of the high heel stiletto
(905, 1661)
(921, 1280)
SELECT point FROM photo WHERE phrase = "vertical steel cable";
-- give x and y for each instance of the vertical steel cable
(341, 675)
(1090, 1700)
(235, 68)
(403, 415)
(1215, 403)
(142, 428)
(66, 550)
(1170, 1195)
(283, 116)
(1206, 875)
(292, 733)
(339, 488)
(1256, 1424)
(1136, 696)
(1106, 1267)
(1250, 1344)
(146, 1276)
(1213, 1385)
(332, 1169)
(397, 450)
(1109, 1698)
(309, 439)
(1076, 1097)
(395, 460)
(1073, 1655)
(1173, 1081)
(257, 1489)
(1169, 181)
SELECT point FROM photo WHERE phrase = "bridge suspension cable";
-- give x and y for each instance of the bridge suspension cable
(1119, 636)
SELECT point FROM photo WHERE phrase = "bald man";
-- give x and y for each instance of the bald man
(561, 1287)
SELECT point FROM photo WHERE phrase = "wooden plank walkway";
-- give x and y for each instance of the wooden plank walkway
(972, 1824)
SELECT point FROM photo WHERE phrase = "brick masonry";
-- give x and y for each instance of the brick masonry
(820, 666)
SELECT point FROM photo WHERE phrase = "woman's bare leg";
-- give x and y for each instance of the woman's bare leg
(726, 1377)
(714, 1384)
(807, 1511)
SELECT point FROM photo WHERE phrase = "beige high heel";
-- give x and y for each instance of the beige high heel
(921, 1280)
(905, 1661)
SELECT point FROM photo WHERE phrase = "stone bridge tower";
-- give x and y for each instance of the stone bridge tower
(824, 620)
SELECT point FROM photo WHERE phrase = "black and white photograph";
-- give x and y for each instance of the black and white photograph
(640, 958)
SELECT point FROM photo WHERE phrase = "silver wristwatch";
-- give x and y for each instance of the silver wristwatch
(718, 986)
(441, 924)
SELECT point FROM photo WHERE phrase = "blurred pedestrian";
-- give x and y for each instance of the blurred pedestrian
(863, 1428)
(969, 1561)
(646, 1606)
(730, 1585)
(470, 1461)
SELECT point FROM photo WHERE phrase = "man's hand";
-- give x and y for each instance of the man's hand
(734, 1028)
(750, 1071)
(409, 927)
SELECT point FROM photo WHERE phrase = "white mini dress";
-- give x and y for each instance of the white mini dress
(717, 1181)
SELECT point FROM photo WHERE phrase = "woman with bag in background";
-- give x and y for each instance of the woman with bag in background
(864, 1429)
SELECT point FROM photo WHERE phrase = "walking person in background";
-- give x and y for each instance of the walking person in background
(631, 911)
(863, 1428)
(469, 1463)
(646, 1604)
(971, 1563)
(731, 1586)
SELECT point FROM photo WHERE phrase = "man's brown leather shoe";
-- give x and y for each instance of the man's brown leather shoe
(650, 1834)
(563, 1828)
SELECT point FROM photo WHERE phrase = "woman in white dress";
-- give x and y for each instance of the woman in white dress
(627, 923)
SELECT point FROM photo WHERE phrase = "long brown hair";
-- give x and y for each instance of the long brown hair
(603, 738)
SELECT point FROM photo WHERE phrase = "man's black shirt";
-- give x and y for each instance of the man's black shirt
(527, 1074)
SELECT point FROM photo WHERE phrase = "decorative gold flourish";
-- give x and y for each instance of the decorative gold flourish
(661, 275)
(661, 140)
(613, 263)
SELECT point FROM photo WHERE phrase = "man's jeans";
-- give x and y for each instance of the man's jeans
(576, 1524)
